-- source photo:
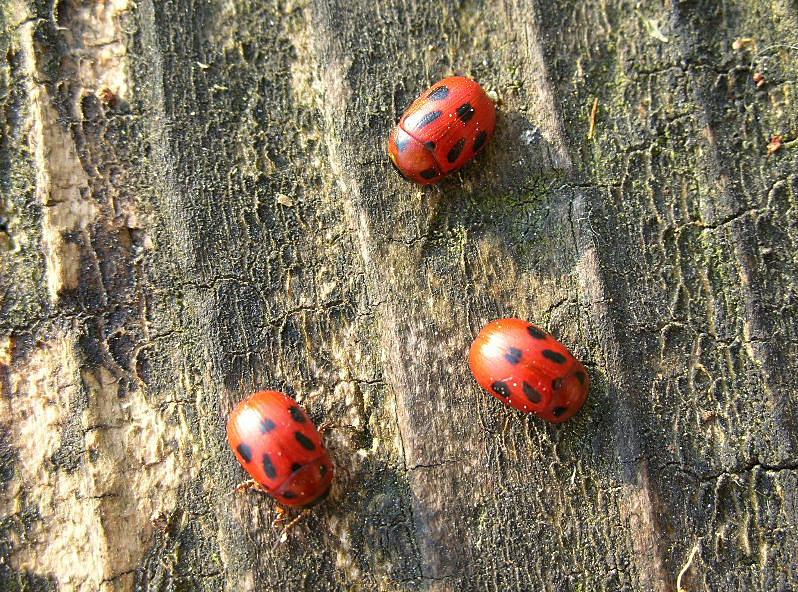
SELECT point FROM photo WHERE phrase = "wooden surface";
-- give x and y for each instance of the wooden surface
(197, 202)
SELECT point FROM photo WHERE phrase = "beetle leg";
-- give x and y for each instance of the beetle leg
(282, 517)
(328, 425)
(249, 485)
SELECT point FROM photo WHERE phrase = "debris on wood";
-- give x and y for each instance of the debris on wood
(160, 520)
(774, 145)
(593, 112)
(532, 136)
(652, 28)
(744, 43)
(759, 79)
(777, 143)
(284, 200)
(108, 97)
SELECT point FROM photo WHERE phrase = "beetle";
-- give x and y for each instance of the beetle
(442, 130)
(526, 368)
(277, 443)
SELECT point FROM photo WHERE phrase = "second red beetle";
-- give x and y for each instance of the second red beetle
(526, 368)
(278, 445)
(447, 126)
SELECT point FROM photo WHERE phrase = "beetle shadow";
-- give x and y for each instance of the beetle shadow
(518, 158)
(511, 191)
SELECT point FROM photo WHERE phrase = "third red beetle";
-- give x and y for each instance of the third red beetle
(526, 368)
(447, 126)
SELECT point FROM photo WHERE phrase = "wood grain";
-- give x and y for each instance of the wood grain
(197, 203)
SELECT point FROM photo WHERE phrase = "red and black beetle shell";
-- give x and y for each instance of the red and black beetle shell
(446, 127)
(524, 367)
(276, 442)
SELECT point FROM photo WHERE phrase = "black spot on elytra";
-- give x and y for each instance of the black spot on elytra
(558, 411)
(430, 145)
(480, 140)
(295, 467)
(535, 332)
(428, 118)
(267, 425)
(438, 94)
(323, 470)
(513, 355)
(402, 144)
(289, 495)
(296, 414)
(268, 467)
(556, 384)
(554, 356)
(531, 393)
(306, 443)
(245, 451)
(465, 112)
(580, 376)
(500, 388)
(429, 174)
(456, 150)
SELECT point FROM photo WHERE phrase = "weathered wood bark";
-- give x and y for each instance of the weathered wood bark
(197, 203)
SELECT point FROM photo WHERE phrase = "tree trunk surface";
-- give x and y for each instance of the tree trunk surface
(197, 203)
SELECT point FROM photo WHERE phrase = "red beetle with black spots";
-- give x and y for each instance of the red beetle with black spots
(447, 126)
(277, 444)
(526, 368)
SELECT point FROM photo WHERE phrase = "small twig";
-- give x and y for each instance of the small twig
(593, 112)
(686, 567)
